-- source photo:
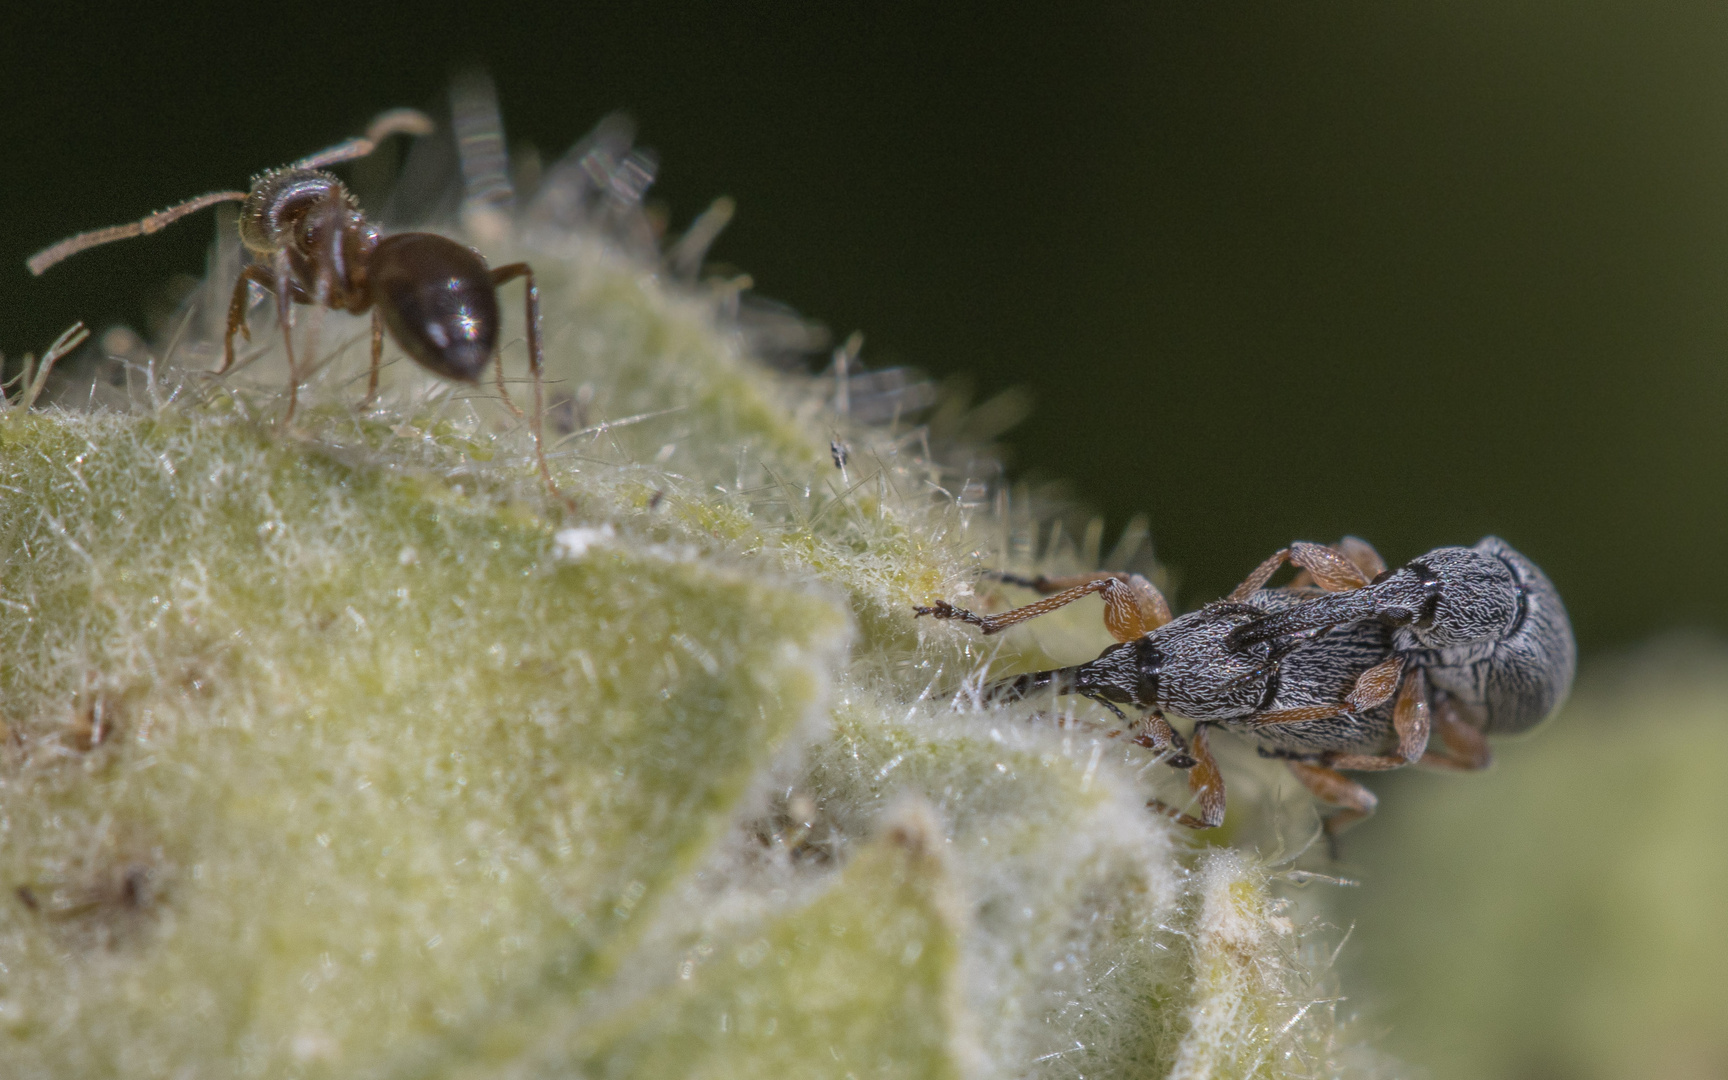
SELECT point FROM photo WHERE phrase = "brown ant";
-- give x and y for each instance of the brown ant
(438, 298)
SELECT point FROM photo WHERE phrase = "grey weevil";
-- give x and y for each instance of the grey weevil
(1321, 699)
(1482, 625)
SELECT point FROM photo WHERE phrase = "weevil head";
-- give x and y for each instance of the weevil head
(1450, 597)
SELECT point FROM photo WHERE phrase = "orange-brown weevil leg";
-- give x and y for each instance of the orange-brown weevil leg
(1335, 789)
(1162, 739)
(1376, 685)
(1362, 553)
(1132, 607)
(1205, 784)
(1261, 575)
(1409, 721)
(1466, 748)
(1372, 689)
(1331, 569)
(1130, 612)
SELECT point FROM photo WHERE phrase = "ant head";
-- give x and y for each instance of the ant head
(393, 122)
(288, 207)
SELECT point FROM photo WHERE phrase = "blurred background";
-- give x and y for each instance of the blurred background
(1418, 272)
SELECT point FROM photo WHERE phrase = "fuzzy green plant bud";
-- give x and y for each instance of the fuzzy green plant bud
(340, 748)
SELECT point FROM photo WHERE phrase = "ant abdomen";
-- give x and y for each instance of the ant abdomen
(438, 300)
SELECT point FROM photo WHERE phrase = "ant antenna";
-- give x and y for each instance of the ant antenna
(72, 245)
(384, 125)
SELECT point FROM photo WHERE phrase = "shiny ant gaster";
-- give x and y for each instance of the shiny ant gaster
(438, 298)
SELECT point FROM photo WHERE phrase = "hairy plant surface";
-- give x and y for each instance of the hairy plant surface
(342, 749)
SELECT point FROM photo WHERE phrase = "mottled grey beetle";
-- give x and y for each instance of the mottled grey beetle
(1348, 668)
(1483, 625)
(1303, 697)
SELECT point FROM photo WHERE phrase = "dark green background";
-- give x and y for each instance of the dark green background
(1418, 271)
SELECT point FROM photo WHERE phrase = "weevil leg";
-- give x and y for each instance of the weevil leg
(1130, 611)
(1162, 739)
(1375, 686)
(1410, 716)
(1358, 551)
(1466, 748)
(1335, 789)
(237, 304)
(1411, 723)
(1372, 689)
(1362, 553)
(1300, 714)
(1333, 570)
(1261, 575)
(1329, 568)
(1205, 784)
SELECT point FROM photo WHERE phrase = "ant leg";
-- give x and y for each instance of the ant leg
(1335, 789)
(377, 358)
(498, 375)
(1124, 614)
(536, 365)
(1466, 749)
(237, 310)
(283, 280)
(1205, 783)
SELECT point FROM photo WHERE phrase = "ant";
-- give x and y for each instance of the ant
(438, 298)
(1321, 696)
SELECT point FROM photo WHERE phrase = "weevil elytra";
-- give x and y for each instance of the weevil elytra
(312, 246)
(1323, 693)
(1482, 626)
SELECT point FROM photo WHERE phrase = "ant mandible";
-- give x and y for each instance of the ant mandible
(438, 298)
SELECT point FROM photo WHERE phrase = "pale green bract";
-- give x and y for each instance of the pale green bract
(342, 750)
